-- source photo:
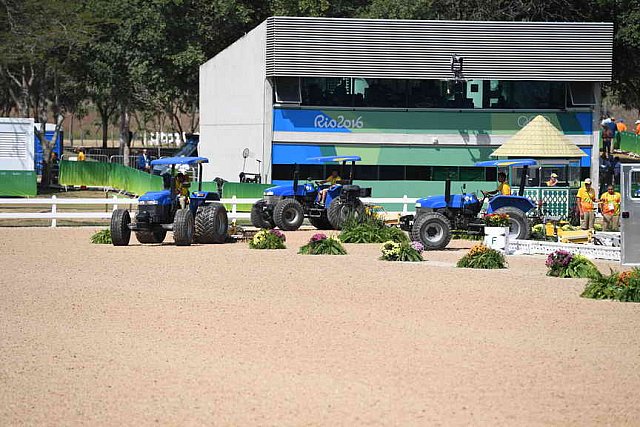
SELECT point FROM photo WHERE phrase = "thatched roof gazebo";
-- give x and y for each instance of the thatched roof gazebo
(539, 139)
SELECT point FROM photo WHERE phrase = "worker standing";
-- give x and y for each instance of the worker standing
(610, 208)
(586, 198)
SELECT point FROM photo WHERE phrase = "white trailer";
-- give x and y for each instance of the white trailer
(630, 214)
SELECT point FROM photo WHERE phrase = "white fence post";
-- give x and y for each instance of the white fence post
(115, 205)
(234, 206)
(405, 201)
(54, 210)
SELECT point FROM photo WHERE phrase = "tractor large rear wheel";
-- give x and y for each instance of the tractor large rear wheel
(340, 211)
(120, 231)
(321, 222)
(433, 230)
(212, 224)
(288, 214)
(156, 236)
(519, 227)
(183, 227)
(257, 219)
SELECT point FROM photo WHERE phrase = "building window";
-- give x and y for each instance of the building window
(516, 95)
(418, 173)
(391, 173)
(386, 93)
(581, 94)
(288, 90)
(327, 91)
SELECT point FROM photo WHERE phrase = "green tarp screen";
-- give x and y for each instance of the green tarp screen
(18, 184)
(96, 174)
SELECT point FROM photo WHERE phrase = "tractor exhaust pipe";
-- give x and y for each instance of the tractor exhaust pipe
(523, 180)
(296, 178)
(447, 191)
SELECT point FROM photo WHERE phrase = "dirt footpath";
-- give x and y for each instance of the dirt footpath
(93, 334)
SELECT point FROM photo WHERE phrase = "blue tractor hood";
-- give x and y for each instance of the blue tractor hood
(287, 190)
(161, 197)
(438, 202)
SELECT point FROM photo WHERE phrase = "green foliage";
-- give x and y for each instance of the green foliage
(463, 235)
(320, 244)
(623, 286)
(566, 265)
(268, 239)
(482, 257)
(394, 251)
(370, 229)
(102, 237)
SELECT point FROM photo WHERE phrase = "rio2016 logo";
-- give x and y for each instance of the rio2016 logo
(322, 121)
(524, 120)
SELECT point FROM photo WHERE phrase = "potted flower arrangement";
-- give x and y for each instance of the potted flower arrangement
(268, 239)
(624, 286)
(496, 231)
(321, 244)
(480, 256)
(408, 252)
(566, 265)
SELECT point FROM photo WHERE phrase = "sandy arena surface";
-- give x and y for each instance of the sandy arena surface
(94, 334)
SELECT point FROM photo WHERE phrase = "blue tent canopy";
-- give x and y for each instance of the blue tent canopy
(325, 159)
(505, 163)
(179, 161)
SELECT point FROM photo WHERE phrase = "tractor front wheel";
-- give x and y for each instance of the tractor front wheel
(183, 227)
(257, 219)
(433, 230)
(340, 211)
(519, 227)
(120, 231)
(288, 214)
(156, 236)
(212, 224)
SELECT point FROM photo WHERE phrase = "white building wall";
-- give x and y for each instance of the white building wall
(234, 111)
(16, 144)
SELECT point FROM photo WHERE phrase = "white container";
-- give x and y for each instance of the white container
(496, 238)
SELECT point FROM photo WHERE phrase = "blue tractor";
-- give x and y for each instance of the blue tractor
(436, 216)
(286, 206)
(197, 217)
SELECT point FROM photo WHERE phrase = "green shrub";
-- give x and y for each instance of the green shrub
(370, 229)
(623, 286)
(268, 239)
(483, 257)
(394, 251)
(320, 244)
(463, 235)
(102, 237)
(566, 265)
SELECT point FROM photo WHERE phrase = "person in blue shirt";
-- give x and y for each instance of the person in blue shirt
(144, 162)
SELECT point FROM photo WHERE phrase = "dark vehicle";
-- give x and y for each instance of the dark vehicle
(286, 206)
(436, 216)
(198, 217)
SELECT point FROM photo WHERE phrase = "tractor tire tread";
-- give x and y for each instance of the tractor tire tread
(279, 214)
(120, 231)
(256, 218)
(517, 215)
(183, 227)
(421, 220)
(335, 215)
(209, 222)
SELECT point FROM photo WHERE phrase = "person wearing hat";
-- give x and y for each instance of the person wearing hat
(637, 123)
(586, 198)
(610, 208)
(553, 180)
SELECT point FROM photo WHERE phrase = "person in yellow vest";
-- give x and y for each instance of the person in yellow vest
(553, 180)
(610, 208)
(332, 180)
(182, 189)
(586, 199)
(81, 156)
(503, 189)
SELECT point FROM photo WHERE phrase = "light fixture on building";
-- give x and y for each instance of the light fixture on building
(456, 66)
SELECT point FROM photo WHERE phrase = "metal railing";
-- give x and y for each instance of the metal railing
(115, 201)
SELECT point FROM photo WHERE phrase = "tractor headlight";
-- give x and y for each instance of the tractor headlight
(148, 202)
(268, 193)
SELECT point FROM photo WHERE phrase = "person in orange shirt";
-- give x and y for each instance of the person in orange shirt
(586, 198)
(621, 126)
(610, 208)
(637, 127)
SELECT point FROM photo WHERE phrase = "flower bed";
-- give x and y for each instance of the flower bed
(496, 220)
(321, 244)
(268, 239)
(394, 251)
(623, 286)
(370, 229)
(482, 257)
(566, 265)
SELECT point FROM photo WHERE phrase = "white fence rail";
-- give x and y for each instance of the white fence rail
(114, 202)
